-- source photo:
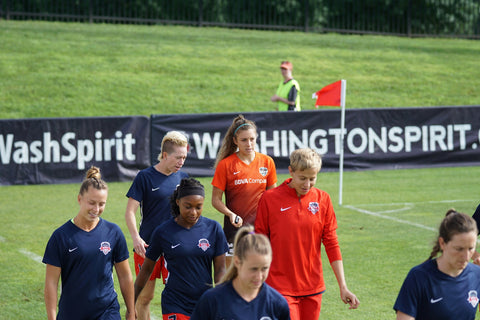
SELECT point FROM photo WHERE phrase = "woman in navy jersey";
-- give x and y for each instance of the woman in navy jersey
(446, 287)
(242, 293)
(190, 244)
(83, 253)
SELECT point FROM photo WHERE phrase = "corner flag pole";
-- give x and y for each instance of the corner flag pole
(342, 136)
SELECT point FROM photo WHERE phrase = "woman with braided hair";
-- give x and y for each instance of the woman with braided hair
(448, 286)
(190, 245)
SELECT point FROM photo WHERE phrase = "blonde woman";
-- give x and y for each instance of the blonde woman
(242, 293)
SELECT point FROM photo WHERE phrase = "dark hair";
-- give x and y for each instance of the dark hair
(185, 183)
(454, 223)
(93, 178)
(246, 241)
(228, 147)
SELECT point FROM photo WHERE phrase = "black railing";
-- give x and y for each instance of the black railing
(456, 18)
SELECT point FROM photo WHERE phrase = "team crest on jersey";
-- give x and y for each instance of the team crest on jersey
(263, 171)
(105, 247)
(203, 244)
(313, 207)
(473, 298)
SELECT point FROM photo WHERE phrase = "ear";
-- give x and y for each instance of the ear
(79, 197)
(236, 261)
(290, 170)
(177, 201)
(441, 243)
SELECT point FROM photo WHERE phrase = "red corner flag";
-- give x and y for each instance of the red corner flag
(329, 95)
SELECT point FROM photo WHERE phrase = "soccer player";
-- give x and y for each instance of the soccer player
(242, 293)
(151, 190)
(446, 287)
(298, 218)
(243, 175)
(190, 244)
(83, 252)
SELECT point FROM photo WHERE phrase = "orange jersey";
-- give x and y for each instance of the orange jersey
(297, 227)
(243, 184)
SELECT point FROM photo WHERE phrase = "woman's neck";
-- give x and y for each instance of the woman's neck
(444, 267)
(243, 291)
(246, 158)
(84, 224)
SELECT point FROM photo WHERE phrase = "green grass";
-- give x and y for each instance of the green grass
(377, 251)
(71, 69)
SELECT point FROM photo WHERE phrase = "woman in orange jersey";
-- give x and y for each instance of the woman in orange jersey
(242, 174)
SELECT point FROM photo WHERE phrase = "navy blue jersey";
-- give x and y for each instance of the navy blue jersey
(86, 260)
(188, 254)
(223, 302)
(476, 217)
(153, 190)
(429, 294)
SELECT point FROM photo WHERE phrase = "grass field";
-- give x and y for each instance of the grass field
(71, 69)
(387, 224)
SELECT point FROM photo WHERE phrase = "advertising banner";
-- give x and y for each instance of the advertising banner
(60, 150)
(384, 138)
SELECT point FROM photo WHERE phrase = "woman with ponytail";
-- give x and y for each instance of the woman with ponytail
(448, 286)
(242, 174)
(83, 253)
(242, 293)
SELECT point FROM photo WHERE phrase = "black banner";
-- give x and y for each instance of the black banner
(42, 151)
(386, 138)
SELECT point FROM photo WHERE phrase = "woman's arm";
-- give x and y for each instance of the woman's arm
(143, 276)
(52, 275)
(139, 244)
(218, 204)
(125, 281)
(403, 316)
(219, 268)
(345, 294)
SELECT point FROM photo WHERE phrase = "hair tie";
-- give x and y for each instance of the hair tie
(190, 190)
(251, 232)
(242, 125)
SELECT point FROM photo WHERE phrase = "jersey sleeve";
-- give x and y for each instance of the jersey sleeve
(155, 250)
(283, 309)
(121, 248)
(52, 252)
(261, 222)
(408, 297)
(272, 177)
(221, 240)
(136, 189)
(220, 176)
(329, 237)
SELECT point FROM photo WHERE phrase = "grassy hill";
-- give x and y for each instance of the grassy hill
(70, 69)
